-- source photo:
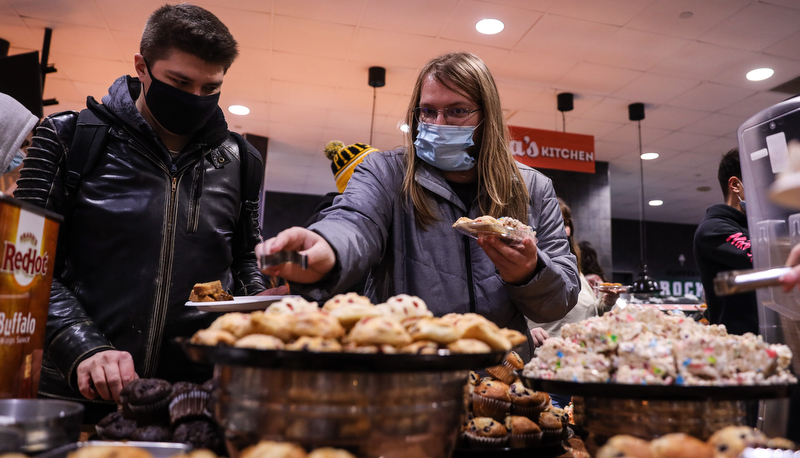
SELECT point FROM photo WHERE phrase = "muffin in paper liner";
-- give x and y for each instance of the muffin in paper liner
(189, 404)
(506, 372)
(484, 442)
(485, 433)
(487, 407)
(524, 440)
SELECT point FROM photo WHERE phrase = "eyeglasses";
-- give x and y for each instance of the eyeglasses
(451, 114)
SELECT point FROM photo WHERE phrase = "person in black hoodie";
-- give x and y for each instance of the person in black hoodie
(721, 243)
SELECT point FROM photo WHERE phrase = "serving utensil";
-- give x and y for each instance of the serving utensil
(283, 257)
(740, 281)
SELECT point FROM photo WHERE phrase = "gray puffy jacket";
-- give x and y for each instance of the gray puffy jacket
(372, 230)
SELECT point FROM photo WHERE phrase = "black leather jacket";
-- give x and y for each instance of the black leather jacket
(141, 231)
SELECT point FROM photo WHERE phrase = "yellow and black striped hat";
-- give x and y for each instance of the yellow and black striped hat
(344, 159)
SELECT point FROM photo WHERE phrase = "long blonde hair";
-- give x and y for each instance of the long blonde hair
(498, 175)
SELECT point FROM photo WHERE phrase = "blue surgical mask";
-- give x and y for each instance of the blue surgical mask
(445, 147)
(15, 161)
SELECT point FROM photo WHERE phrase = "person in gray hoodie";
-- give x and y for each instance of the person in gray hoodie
(393, 223)
(18, 123)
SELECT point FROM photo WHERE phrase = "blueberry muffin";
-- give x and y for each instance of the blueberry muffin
(490, 399)
(506, 371)
(485, 432)
(522, 432)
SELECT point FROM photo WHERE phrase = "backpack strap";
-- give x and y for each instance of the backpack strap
(252, 169)
(91, 132)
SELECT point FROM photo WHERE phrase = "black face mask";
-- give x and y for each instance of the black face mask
(180, 112)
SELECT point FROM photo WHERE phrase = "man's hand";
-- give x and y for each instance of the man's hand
(539, 336)
(792, 278)
(321, 257)
(105, 374)
(515, 264)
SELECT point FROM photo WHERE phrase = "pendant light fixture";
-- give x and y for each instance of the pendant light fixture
(643, 284)
(564, 104)
(376, 79)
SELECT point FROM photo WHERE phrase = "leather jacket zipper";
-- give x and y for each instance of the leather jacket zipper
(156, 331)
(194, 199)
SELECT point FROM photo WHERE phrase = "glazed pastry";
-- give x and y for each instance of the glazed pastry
(213, 337)
(730, 441)
(627, 446)
(279, 325)
(380, 330)
(292, 305)
(515, 337)
(260, 342)
(680, 445)
(403, 306)
(421, 347)
(328, 452)
(236, 323)
(269, 449)
(100, 451)
(469, 346)
(317, 324)
(319, 344)
(433, 329)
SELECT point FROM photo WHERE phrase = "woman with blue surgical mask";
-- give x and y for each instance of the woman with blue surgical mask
(18, 124)
(393, 224)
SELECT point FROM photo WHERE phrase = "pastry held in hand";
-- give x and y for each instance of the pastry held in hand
(506, 229)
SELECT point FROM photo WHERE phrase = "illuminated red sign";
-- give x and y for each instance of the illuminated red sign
(549, 149)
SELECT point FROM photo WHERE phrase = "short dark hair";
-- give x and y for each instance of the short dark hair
(729, 167)
(589, 261)
(190, 29)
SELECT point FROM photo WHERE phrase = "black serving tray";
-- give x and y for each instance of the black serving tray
(664, 392)
(546, 450)
(344, 361)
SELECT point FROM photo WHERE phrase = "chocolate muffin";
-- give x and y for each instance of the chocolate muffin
(187, 401)
(198, 434)
(115, 427)
(152, 433)
(146, 400)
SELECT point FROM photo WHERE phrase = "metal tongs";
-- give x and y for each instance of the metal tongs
(740, 281)
(282, 257)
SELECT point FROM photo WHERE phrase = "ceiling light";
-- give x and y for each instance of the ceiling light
(760, 74)
(404, 128)
(686, 15)
(656, 203)
(489, 26)
(240, 110)
(649, 156)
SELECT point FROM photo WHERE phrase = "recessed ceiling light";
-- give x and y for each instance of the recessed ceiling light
(489, 26)
(404, 128)
(686, 15)
(239, 110)
(656, 202)
(760, 74)
(649, 156)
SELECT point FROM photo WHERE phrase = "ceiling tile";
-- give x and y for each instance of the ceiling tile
(699, 60)
(710, 97)
(575, 38)
(786, 48)
(670, 117)
(294, 93)
(634, 49)
(305, 69)
(259, 6)
(614, 12)
(70, 38)
(755, 27)
(596, 79)
(340, 11)
(53, 12)
(461, 25)
(654, 88)
(385, 49)
(681, 141)
(320, 38)
(20, 35)
(663, 16)
(751, 105)
(420, 17)
(715, 124)
(536, 5)
(530, 67)
(130, 18)
(249, 77)
(249, 28)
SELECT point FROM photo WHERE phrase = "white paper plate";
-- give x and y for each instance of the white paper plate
(238, 304)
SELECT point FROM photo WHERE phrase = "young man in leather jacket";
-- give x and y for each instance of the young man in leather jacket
(160, 210)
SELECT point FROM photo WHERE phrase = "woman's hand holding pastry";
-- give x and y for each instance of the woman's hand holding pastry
(321, 257)
(515, 264)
